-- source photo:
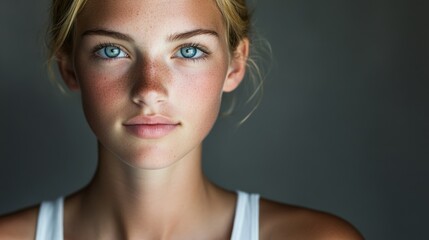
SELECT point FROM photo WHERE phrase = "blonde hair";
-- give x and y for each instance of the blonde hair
(235, 14)
(63, 17)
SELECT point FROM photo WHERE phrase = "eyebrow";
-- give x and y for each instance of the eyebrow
(192, 33)
(172, 37)
(109, 33)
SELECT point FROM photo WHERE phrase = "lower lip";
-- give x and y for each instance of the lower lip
(151, 131)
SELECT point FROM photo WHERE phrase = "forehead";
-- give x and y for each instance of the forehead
(155, 16)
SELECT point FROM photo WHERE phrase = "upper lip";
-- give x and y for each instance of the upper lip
(150, 120)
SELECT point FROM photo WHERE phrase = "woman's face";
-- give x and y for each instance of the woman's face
(151, 75)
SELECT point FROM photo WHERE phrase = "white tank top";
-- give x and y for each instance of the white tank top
(246, 220)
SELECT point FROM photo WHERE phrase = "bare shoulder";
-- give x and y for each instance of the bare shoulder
(282, 221)
(20, 225)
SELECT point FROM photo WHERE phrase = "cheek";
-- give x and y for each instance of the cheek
(202, 91)
(100, 92)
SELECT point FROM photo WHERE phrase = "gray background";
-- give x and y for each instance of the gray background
(343, 126)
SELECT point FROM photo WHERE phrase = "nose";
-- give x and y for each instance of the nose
(149, 83)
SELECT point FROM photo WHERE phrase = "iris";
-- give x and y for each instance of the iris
(112, 51)
(188, 52)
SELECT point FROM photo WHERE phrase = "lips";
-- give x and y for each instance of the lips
(150, 127)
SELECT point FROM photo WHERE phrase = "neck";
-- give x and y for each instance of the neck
(153, 203)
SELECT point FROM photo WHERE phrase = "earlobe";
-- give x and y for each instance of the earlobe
(65, 66)
(237, 67)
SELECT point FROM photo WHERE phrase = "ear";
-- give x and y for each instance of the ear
(237, 67)
(66, 67)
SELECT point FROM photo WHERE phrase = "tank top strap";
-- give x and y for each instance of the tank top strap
(50, 220)
(246, 220)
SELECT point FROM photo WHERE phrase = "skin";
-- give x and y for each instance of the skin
(153, 187)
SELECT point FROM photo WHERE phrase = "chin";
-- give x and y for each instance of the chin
(147, 159)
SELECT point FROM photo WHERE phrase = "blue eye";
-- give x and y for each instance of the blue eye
(111, 52)
(190, 52)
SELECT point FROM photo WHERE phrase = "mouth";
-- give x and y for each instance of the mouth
(150, 127)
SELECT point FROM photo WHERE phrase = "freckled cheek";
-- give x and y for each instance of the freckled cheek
(101, 92)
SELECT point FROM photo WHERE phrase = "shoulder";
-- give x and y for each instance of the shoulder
(282, 221)
(20, 225)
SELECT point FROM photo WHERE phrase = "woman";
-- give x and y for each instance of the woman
(151, 76)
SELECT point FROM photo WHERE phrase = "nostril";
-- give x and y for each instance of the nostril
(138, 101)
(149, 97)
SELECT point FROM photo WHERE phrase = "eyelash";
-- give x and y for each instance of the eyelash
(205, 52)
